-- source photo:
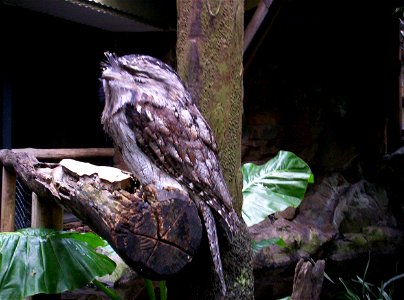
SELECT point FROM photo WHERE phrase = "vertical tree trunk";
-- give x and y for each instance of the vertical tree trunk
(210, 61)
(209, 55)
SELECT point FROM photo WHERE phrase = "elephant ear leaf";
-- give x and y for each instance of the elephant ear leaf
(47, 261)
(273, 186)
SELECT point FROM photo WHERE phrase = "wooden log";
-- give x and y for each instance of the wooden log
(156, 232)
(8, 200)
(308, 280)
(46, 214)
(67, 153)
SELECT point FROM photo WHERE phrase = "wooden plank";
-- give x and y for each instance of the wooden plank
(8, 201)
(256, 21)
(46, 214)
(68, 153)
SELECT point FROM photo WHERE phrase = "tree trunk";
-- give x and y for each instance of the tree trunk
(210, 61)
(209, 55)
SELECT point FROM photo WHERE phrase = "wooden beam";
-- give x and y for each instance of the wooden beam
(68, 153)
(277, 9)
(8, 201)
(46, 214)
(256, 21)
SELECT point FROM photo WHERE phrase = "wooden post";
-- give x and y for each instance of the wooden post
(308, 280)
(8, 201)
(46, 214)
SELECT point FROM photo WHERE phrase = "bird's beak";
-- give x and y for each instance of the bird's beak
(108, 74)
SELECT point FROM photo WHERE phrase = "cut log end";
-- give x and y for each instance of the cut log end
(156, 237)
(160, 240)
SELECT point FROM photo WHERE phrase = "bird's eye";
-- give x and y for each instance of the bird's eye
(134, 71)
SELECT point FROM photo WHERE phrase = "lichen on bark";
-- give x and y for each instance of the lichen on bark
(209, 56)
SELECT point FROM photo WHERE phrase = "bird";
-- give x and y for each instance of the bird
(164, 139)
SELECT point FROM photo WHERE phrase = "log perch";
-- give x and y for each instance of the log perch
(308, 280)
(156, 232)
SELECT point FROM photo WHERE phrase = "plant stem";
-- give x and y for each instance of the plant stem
(109, 292)
(149, 289)
(163, 290)
(392, 279)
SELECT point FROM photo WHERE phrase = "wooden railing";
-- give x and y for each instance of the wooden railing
(43, 214)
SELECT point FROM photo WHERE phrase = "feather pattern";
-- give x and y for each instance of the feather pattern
(164, 138)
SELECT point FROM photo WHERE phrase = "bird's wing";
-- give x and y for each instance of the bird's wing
(178, 140)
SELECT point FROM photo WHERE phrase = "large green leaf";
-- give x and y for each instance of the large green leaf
(274, 186)
(46, 261)
(258, 245)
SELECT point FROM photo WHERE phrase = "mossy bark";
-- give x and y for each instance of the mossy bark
(210, 61)
(209, 56)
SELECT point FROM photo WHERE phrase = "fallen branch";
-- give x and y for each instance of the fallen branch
(156, 232)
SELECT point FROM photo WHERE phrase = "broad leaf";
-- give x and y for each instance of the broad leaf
(258, 245)
(46, 261)
(274, 186)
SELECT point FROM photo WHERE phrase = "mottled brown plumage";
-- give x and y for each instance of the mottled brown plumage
(164, 139)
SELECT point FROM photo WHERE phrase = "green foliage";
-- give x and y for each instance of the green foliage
(47, 261)
(256, 246)
(107, 291)
(360, 289)
(163, 290)
(364, 290)
(150, 289)
(273, 186)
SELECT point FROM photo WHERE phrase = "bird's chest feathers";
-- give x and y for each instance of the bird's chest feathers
(137, 160)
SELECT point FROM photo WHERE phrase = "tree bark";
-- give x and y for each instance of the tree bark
(209, 56)
(156, 232)
(308, 280)
(210, 61)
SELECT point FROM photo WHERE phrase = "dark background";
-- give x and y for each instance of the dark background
(50, 70)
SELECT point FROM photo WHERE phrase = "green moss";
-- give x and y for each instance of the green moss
(243, 280)
(375, 234)
(313, 243)
(358, 241)
(223, 68)
(353, 242)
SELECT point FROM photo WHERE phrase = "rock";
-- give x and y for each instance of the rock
(362, 204)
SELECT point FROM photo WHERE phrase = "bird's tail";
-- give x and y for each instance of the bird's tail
(213, 243)
(227, 217)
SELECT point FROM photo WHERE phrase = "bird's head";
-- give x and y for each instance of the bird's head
(128, 78)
